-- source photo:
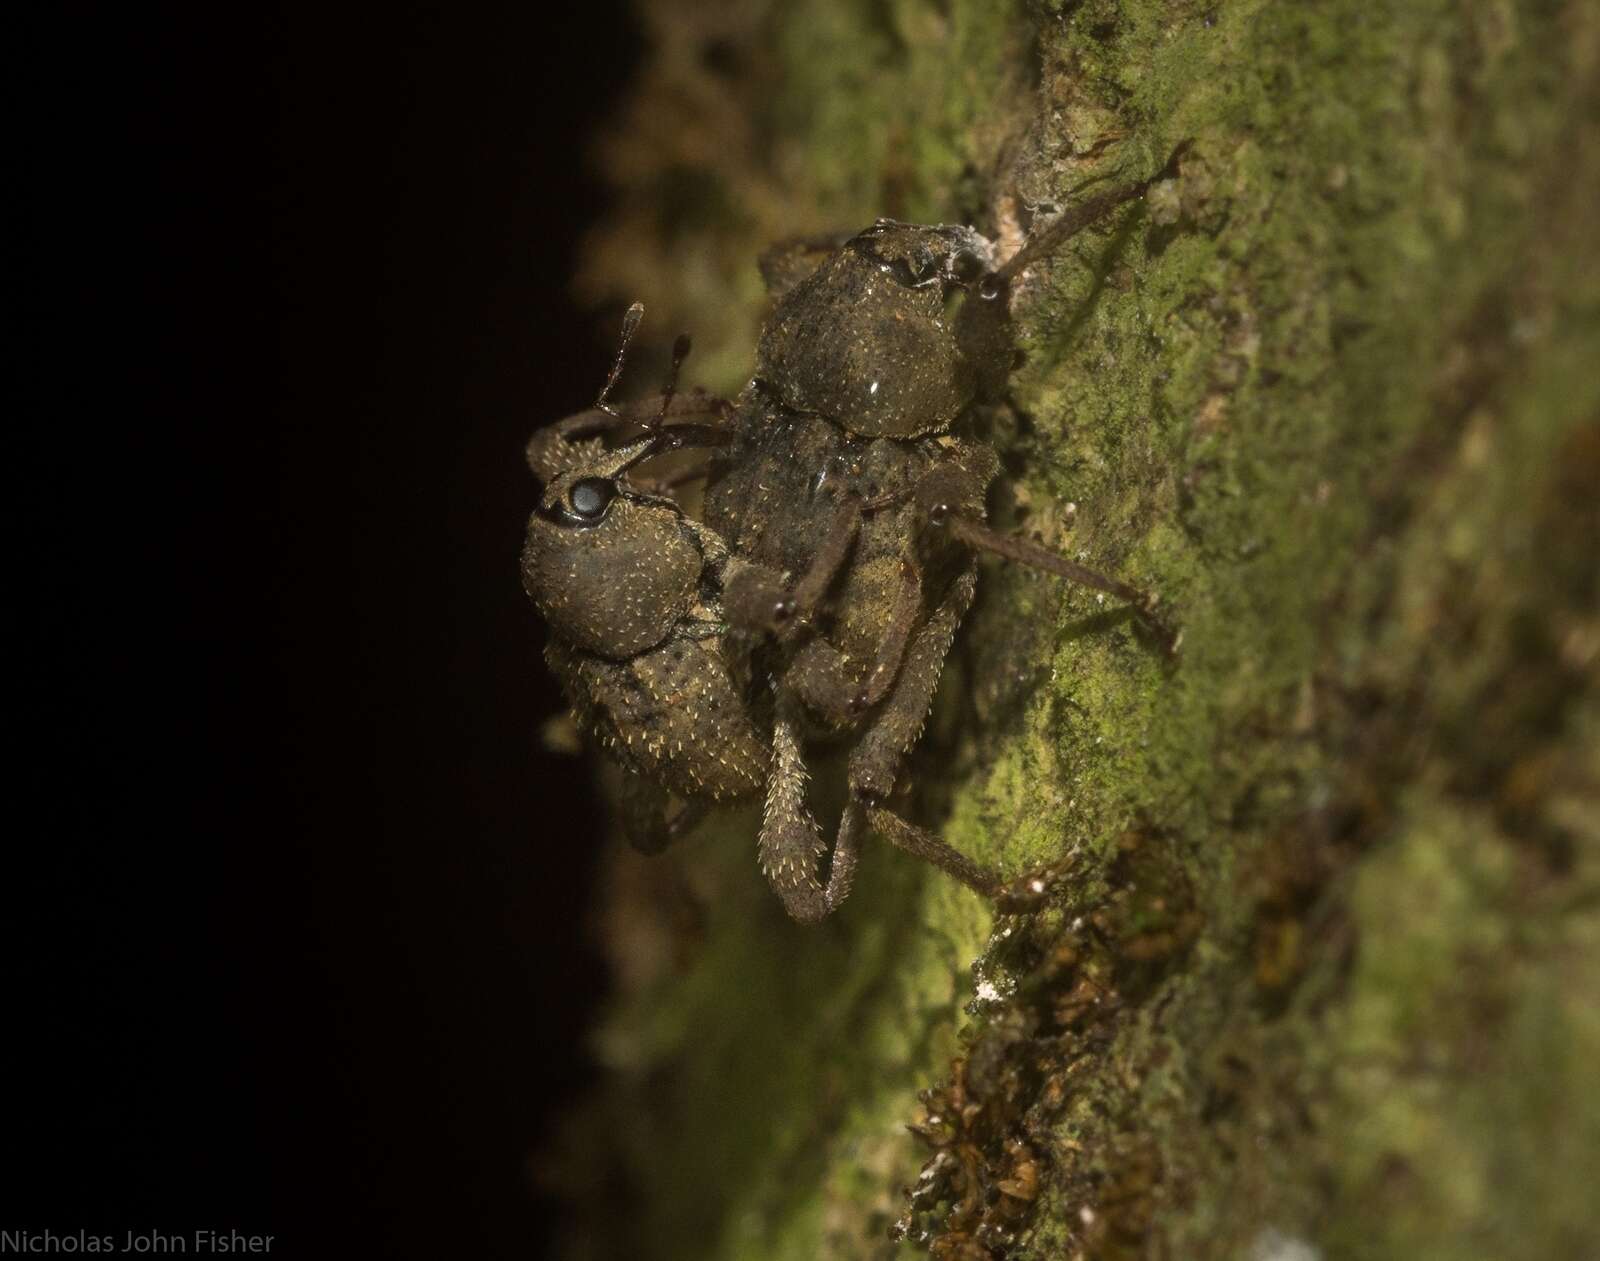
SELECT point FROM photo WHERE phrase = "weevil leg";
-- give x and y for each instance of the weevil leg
(928, 847)
(795, 836)
(645, 815)
(804, 896)
(875, 760)
(1074, 220)
(756, 599)
(824, 680)
(896, 638)
(651, 411)
(846, 847)
(944, 497)
(790, 844)
(1011, 547)
(697, 403)
(707, 421)
(827, 562)
(795, 832)
(831, 685)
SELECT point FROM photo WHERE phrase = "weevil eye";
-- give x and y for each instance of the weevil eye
(591, 497)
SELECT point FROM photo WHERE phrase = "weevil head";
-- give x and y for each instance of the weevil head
(870, 340)
(612, 569)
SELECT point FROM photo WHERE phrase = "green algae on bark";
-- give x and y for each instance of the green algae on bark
(1332, 392)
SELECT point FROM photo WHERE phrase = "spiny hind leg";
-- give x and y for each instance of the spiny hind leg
(790, 846)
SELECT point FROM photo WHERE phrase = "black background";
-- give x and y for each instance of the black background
(298, 944)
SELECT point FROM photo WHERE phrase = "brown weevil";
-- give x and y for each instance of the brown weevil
(837, 555)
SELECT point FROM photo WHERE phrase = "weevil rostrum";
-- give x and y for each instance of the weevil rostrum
(835, 555)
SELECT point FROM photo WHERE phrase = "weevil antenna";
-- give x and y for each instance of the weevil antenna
(680, 352)
(630, 325)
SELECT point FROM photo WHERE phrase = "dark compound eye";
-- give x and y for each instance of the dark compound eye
(592, 496)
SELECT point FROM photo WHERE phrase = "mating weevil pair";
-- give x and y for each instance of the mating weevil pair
(835, 558)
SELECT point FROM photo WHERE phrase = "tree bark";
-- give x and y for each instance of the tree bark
(1320, 971)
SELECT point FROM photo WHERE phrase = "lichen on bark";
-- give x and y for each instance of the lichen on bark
(1330, 882)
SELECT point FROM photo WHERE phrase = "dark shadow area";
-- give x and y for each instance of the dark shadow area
(301, 947)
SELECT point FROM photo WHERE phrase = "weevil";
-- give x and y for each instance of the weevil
(843, 516)
(630, 587)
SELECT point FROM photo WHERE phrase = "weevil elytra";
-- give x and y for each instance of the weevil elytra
(836, 555)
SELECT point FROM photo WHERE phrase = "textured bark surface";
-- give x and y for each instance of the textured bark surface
(1322, 972)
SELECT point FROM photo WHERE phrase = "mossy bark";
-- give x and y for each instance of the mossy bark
(1321, 971)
